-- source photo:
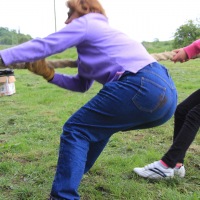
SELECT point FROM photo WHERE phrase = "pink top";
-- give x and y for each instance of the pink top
(193, 49)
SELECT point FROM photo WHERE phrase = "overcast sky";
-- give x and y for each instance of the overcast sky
(142, 20)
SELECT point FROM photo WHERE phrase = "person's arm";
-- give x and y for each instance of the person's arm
(73, 83)
(71, 35)
(186, 53)
(193, 49)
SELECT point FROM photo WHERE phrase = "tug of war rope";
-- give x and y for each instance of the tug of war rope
(72, 63)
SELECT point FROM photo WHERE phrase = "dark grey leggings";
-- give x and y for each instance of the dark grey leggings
(186, 126)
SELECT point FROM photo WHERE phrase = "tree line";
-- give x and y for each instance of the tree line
(184, 35)
(12, 37)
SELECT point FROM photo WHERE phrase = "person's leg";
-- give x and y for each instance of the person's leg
(182, 110)
(188, 122)
(184, 139)
(95, 150)
(70, 166)
(186, 125)
(136, 100)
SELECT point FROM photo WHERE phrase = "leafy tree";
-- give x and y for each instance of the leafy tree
(6, 40)
(186, 34)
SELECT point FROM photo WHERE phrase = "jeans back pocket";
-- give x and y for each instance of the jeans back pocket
(150, 96)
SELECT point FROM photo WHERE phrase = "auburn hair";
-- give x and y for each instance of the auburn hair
(85, 6)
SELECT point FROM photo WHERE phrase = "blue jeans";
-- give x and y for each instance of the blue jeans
(136, 101)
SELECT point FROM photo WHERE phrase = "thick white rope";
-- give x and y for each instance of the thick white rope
(166, 55)
(72, 63)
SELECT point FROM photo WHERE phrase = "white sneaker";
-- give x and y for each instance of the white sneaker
(155, 170)
(179, 171)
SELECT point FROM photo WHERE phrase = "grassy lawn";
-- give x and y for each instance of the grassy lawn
(30, 126)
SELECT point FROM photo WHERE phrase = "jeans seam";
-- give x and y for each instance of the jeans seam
(148, 71)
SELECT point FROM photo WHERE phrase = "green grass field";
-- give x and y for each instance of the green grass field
(30, 126)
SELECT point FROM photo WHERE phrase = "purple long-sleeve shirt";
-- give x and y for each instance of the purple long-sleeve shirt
(103, 52)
